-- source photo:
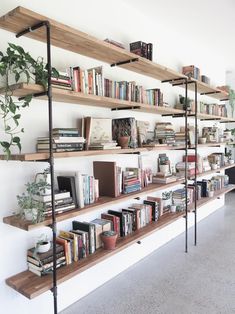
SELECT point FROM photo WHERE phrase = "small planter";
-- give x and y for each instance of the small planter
(30, 214)
(214, 166)
(43, 247)
(123, 141)
(202, 140)
(211, 193)
(173, 208)
(231, 161)
(109, 239)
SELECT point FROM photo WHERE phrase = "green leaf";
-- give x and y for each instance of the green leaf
(17, 116)
(22, 130)
(13, 46)
(19, 146)
(17, 77)
(12, 107)
(16, 139)
(5, 144)
(8, 128)
(28, 98)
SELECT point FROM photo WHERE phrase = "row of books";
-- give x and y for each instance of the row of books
(63, 81)
(213, 109)
(164, 133)
(130, 91)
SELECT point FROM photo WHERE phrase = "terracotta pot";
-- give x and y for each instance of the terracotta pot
(123, 141)
(109, 241)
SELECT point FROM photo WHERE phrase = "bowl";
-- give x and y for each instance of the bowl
(202, 140)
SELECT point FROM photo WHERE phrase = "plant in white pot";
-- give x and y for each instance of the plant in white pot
(43, 244)
(32, 209)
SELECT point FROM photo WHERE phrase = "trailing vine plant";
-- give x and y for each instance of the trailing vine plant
(17, 63)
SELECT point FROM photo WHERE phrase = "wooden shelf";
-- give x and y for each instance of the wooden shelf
(104, 201)
(45, 156)
(69, 96)
(204, 89)
(31, 285)
(205, 200)
(205, 173)
(71, 39)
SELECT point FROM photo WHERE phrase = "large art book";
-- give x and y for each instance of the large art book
(125, 127)
(106, 173)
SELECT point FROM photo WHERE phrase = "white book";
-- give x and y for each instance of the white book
(78, 184)
(47, 198)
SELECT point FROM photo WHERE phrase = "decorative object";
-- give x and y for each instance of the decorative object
(173, 208)
(214, 166)
(123, 141)
(202, 140)
(43, 244)
(109, 239)
(17, 65)
(32, 209)
(210, 193)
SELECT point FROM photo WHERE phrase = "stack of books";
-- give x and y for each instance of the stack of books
(104, 145)
(164, 133)
(131, 180)
(142, 49)
(62, 82)
(63, 202)
(163, 178)
(179, 138)
(179, 198)
(42, 263)
(64, 139)
(191, 170)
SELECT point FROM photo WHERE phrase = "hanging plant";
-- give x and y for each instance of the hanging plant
(17, 64)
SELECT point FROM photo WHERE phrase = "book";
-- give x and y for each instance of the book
(41, 256)
(67, 183)
(106, 173)
(39, 262)
(158, 200)
(115, 222)
(155, 210)
(88, 227)
(101, 225)
(121, 220)
(59, 195)
(125, 126)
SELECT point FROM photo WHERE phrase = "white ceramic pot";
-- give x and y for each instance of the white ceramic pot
(30, 214)
(44, 247)
(164, 168)
(211, 193)
(173, 208)
(202, 140)
(214, 166)
(231, 161)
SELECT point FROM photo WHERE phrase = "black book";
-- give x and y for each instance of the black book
(155, 210)
(122, 222)
(203, 185)
(87, 227)
(150, 51)
(67, 183)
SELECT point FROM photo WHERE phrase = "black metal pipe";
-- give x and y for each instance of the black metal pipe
(186, 166)
(195, 191)
(35, 95)
(51, 157)
(124, 62)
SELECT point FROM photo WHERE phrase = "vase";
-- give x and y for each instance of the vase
(109, 241)
(30, 214)
(43, 247)
(123, 141)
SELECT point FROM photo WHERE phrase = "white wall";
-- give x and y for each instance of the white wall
(125, 21)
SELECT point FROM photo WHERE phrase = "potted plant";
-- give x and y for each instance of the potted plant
(231, 100)
(182, 100)
(17, 65)
(124, 139)
(229, 156)
(32, 209)
(43, 244)
(109, 239)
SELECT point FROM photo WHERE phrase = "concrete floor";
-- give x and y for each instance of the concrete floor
(171, 282)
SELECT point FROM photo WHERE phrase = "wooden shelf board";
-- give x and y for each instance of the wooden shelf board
(69, 96)
(203, 88)
(104, 201)
(45, 156)
(68, 38)
(31, 285)
(205, 200)
(205, 173)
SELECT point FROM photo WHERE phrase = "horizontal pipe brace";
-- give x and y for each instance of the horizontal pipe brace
(35, 95)
(210, 93)
(126, 108)
(172, 80)
(124, 62)
(32, 28)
